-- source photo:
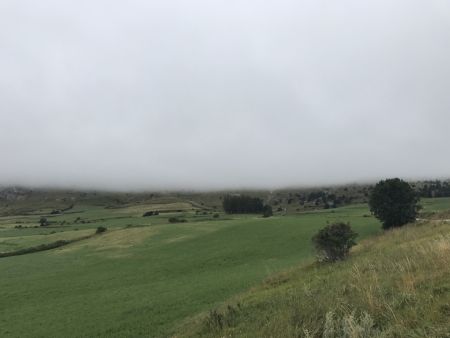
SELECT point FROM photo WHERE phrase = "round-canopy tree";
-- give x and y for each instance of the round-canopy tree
(394, 202)
(334, 242)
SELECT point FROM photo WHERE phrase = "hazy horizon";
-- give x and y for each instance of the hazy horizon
(138, 190)
(222, 95)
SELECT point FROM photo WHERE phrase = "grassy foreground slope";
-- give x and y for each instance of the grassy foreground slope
(394, 285)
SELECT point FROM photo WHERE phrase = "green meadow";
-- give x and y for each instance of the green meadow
(145, 276)
(395, 284)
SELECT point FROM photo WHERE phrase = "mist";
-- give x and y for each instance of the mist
(142, 95)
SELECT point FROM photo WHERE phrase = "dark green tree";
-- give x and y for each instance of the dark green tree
(333, 242)
(394, 202)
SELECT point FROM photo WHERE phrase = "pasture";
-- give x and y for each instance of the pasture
(145, 276)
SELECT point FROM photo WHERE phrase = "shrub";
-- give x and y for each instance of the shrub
(43, 221)
(100, 230)
(148, 213)
(176, 220)
(334, 241)
(393, 202)
(267, 211)
(216, 215)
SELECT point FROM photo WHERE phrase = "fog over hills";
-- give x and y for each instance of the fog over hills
(222, 94)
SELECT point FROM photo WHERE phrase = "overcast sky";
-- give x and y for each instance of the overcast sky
(223, 94)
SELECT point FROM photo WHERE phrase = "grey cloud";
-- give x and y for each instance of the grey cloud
(222, 94)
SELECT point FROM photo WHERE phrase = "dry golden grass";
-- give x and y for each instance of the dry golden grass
(115, 241)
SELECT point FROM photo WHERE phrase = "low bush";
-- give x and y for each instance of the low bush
(176, 220)
(43, 221)
(100, 230)
(267, 211)
(333, 242)
(148, 214)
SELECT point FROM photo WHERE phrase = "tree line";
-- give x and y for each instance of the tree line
(242, 204)
(435, 189)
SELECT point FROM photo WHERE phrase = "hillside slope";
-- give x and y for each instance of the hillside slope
(394, 285)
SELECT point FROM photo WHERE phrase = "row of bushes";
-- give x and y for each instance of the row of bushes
(43, 221)
(150, 213)
(49, 246)
(41, 247)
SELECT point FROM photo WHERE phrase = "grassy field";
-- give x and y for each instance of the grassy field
(145, 276)
(396, 284)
